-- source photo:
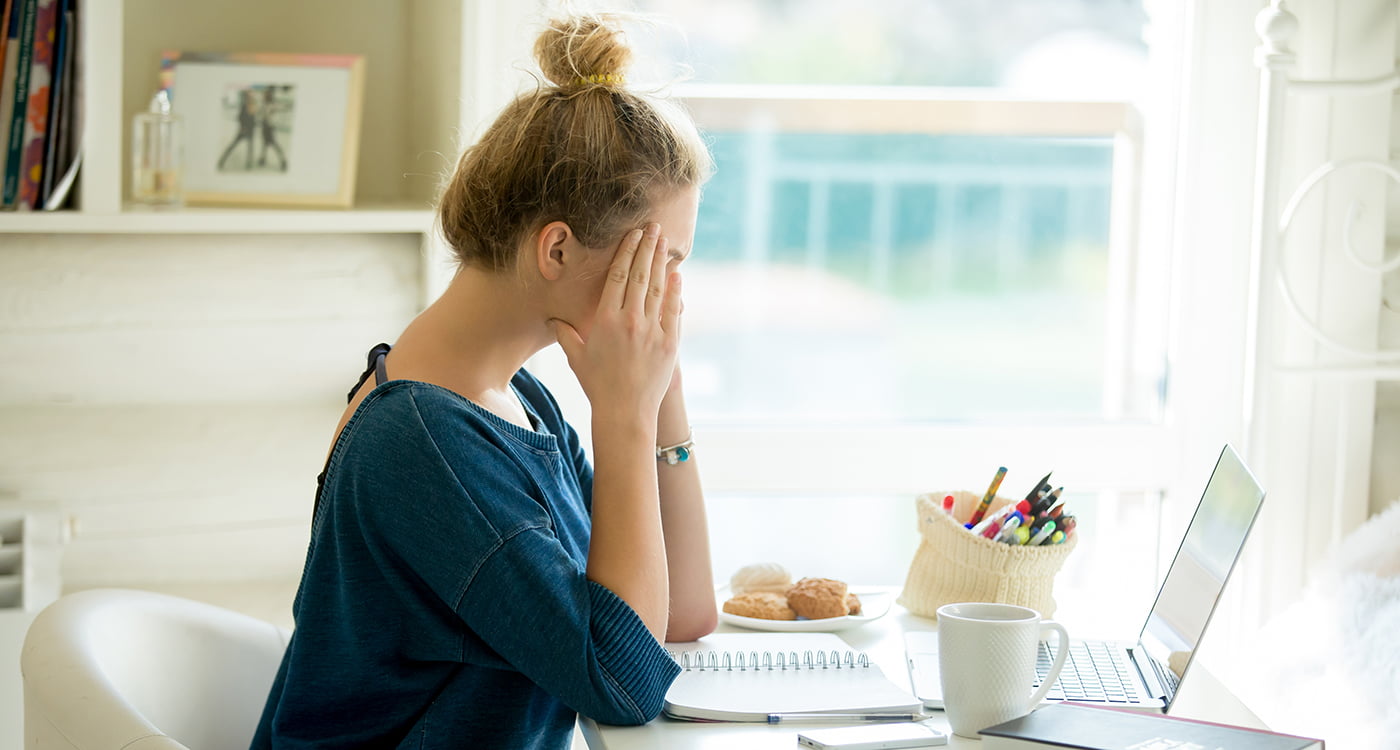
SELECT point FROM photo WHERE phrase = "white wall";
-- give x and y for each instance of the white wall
(1385, 463)
(176, 394)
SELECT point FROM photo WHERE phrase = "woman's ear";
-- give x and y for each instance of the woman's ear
(555, 249)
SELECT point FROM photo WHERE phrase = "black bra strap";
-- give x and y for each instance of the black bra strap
(374, 363)
(379, 374)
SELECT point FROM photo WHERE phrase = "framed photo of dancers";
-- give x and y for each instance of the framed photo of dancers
(267, 129)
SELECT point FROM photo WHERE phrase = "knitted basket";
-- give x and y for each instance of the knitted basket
(952, 564)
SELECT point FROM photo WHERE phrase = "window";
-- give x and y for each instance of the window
(919, 260)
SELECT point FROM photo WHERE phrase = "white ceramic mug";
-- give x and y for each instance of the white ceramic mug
(986, 661)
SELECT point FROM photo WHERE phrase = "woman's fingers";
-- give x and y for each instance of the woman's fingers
(640, 277)
(658, 279)
(615, 289)
(671, 310)
(568, 338)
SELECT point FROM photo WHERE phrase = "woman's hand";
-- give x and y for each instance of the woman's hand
(629, 360)
(625, 367)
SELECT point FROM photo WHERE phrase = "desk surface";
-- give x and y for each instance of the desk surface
(1203, 698)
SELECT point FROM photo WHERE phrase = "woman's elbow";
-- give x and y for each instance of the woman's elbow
(626, 713)
(691, 627)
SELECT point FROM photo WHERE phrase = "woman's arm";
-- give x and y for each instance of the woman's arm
(684, 527)
(624, 368)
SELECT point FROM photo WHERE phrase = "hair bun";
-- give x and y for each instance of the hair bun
(583, 50)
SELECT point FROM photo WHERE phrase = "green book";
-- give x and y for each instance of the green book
(22, 45)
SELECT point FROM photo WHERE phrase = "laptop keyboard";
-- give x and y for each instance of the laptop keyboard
(1093, 671)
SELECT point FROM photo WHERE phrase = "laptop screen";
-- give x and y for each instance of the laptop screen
(1207, 554)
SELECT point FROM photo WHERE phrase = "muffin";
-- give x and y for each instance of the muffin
(764, 605)
(818, 598)
(770, 577)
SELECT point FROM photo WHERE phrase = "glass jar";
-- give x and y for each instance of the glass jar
(157, 154)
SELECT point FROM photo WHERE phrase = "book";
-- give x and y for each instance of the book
(6, 6)
(18, 52)
(1073, 726)
(753, 677)
(36, 124)
(8, 54)
(60, 62)
(67, 152)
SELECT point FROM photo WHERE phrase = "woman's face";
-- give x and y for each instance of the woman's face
(676, 215)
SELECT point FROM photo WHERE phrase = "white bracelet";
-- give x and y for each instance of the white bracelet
(678, 453)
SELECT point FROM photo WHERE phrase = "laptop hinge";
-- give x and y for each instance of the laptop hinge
(1145, 666)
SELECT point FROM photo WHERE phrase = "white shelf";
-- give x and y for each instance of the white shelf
(384, 219)
(425, 89)
(410, 123)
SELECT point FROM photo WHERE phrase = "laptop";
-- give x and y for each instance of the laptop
(1146, 673)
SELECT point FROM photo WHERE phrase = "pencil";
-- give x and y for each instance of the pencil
(987, 498)
(846, 717)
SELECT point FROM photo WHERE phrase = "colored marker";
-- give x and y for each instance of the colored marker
(1046, 530)
(1022, 536)
(1008, 529)
(991, 531)
(1057, 538)
(987, 498)
(948, 505)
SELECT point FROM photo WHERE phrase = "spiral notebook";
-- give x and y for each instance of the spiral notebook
(756, 677)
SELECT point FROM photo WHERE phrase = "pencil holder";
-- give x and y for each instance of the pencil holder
(952, 564)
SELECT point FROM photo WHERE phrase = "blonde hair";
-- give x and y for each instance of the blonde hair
(582, 148)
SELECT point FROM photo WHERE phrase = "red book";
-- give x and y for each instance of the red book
(36, 119)
(5, 27)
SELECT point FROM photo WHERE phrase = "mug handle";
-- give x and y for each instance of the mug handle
(1061, 653)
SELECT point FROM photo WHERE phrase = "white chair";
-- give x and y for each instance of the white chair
(115, 668)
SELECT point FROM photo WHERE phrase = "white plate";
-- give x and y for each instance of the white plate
(873, 606)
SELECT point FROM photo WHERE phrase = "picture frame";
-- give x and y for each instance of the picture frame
(271, 129)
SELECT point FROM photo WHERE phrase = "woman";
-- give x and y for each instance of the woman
(471, 580)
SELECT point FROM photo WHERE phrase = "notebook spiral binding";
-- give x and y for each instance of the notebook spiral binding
(739, 661)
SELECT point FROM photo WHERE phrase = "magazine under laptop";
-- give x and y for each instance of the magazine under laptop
(1153, 666)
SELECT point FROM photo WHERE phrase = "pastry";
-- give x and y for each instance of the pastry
(818, 598)
(769, 576)
(852, 604)
(764, 605)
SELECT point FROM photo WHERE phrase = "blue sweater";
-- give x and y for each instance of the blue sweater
(444, 602)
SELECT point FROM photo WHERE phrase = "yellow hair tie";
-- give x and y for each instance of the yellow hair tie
(602, 79)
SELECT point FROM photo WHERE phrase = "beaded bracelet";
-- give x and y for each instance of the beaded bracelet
(678, 453)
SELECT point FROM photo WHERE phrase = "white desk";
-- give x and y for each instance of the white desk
(883, 639)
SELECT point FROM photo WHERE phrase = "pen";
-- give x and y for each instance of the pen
(1008, 529)
(779, 718)
(948, 505)
(1022, 507)
(1045, 531)
(987, 498)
